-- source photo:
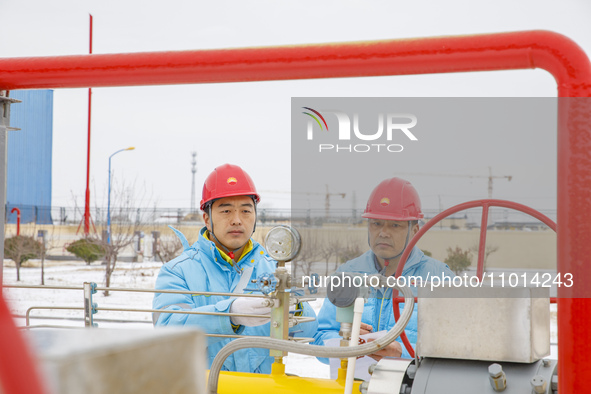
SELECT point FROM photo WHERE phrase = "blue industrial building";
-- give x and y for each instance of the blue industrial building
(28, 182)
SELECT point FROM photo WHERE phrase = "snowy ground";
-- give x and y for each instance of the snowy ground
(127, 275)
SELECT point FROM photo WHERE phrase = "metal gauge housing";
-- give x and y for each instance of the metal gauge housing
(283, 243)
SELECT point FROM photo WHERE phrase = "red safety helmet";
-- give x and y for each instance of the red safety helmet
(228, 180)
(394, 199)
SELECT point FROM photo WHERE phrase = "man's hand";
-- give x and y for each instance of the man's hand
(365, 329)
(392, 350)
(250, 306)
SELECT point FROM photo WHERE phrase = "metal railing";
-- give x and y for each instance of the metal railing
(90, 308)
(304, 217)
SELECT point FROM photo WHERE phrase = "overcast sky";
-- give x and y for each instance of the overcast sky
(248, 123)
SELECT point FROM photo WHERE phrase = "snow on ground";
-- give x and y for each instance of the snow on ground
(126, 275)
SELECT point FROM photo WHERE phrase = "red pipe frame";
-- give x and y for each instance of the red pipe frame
(18, 220)
(552, 52)
(485, 204)
(87, 192)
(521, 50)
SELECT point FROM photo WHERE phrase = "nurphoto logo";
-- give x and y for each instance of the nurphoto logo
(390, 126)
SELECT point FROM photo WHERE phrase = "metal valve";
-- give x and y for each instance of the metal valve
(539, 384)
(265, 283)
(363, 387)
(497, 377)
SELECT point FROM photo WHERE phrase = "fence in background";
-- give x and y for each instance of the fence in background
(499, 218)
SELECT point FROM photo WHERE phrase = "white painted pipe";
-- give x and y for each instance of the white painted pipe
(357, 313)
(312, 350)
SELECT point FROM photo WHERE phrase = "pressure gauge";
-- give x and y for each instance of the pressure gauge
(283, 243)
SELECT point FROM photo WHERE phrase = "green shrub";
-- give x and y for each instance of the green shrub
(458, 260)
(21, 248)
(87, 250)
(427, 253)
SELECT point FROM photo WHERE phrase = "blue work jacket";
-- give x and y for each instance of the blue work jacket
(200, 268)
(378, 312)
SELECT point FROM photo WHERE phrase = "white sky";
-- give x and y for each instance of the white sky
(246, 123)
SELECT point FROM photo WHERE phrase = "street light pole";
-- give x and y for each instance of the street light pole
(109, 196)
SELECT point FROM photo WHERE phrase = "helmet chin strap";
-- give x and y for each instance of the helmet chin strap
(229, 252)
(387, 261)
(405, 243)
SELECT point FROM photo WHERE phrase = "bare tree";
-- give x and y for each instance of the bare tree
(335, 246)
(331, 250)
(169, 249)
(350, 251)
(302, 265)
(490, 249)
(326, 251)
(126, 222)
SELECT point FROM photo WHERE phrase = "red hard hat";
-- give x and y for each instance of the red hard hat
(394, 199)
(228, 180)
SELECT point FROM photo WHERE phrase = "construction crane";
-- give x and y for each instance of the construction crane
(327, 201)
(490, 177)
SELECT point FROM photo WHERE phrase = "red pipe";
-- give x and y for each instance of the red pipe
(18, 220)
(482, 242)
(18, 372)
(87, 194)
(553, 52)
(519, 50)
(485, 204)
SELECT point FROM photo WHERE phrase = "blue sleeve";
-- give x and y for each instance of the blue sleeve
(437, 268)
(447, 271)
(171, 278)
(328, 327)
(307, 329)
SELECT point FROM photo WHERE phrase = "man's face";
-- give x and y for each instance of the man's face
(233, 220)
(388, 237)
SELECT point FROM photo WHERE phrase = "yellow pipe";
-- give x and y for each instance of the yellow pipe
(278, 382)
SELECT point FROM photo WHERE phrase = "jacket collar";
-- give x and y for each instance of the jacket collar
(415, 256)
(366, 262)
(247, 249)
(210, 249)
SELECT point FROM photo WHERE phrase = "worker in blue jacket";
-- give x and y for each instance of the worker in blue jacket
(224, 260)
(393, 211)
